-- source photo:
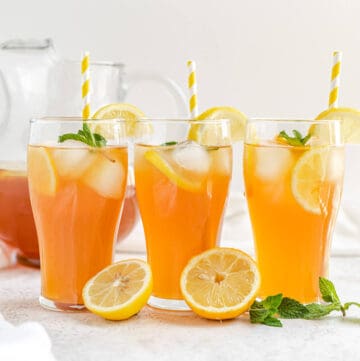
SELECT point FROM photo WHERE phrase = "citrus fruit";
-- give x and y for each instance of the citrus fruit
(120, 290)
(158, 160)
(220, 283)
(211, 135)
(350, 122)
(41, 171)
(129, 112)
(307, 178)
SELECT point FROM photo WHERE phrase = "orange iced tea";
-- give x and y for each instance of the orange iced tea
(77, 195)
(293, 195)
(17, 226)
(181, 191)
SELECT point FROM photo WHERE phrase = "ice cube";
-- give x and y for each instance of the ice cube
(221, 160)
(72, 162)
(272, 162)
(106, 176)
(192, 157)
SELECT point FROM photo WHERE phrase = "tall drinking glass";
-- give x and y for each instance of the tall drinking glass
(182, 176)
(77, 194)
(293, 172)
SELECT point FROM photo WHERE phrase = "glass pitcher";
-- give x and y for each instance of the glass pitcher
(35, 82)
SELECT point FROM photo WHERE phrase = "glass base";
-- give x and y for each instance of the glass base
(61, 307)
(31, 262)
(168, 304)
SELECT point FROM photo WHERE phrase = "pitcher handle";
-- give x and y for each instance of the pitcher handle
(5, 117)
(172, 87)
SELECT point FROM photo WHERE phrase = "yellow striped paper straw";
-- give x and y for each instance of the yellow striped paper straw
(85, 72)
(335, 80)
(192, 85)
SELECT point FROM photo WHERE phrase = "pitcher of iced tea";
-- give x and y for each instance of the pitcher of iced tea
(35, 82)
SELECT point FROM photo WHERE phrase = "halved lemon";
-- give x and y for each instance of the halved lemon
(41, 171)
(350, 122)
(158, 161)
(220, 283)
(212, 135)
(120, 290)
(126, 111)
(308, 176)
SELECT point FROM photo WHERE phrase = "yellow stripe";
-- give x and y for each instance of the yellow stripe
(333, 96)
(84, 64)
(189, 62)
(85, 88)
(193, 102)
(335, 71)
(192, 80)
(86, 111)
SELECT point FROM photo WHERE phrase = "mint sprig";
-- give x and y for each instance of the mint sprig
(297, 140)
(269, 310)
(85, 135)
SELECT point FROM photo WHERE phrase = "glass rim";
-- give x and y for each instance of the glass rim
(293, 120)
(65, 119)
(155, 120)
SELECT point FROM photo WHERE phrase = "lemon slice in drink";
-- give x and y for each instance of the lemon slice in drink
(307, 177)
(350, 122)
(220, 283)
(41, 171)
(129, 112)
(120, 290)
(159, 161)
(212, 135)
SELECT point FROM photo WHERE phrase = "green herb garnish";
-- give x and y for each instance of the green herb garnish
(173, 142)
(268, 311)
(85, 135)
(297, 140)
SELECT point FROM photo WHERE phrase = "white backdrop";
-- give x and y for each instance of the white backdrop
(265, 57)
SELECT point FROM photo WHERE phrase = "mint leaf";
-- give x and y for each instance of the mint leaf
(297, 140)
(290, 308)
(257, 312)
(317, 310)
(84, 135)
(99, 139)
(173, 142)
(272, 321)
(328, 291)
(272, 302)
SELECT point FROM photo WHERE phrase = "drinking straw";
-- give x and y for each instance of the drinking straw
(335, 80)
(192, 85)
(85, 72)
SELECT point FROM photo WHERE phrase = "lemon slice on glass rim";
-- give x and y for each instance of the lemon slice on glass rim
(308, 175)
(211, 135)
(220, 283)
(42, 173)
(120, 290)
(126, 111)
(350, 123)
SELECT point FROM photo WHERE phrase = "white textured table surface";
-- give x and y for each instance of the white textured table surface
(155, 335)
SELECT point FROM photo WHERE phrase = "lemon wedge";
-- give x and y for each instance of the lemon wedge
(212, 135)
(158, 161)
(307, 178)
(41, 171)
(220, 283)
(350, 122)
(120, 290)
(126, 111)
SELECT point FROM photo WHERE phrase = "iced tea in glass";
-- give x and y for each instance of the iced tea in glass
(293, 172)
(77, 192)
